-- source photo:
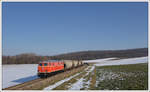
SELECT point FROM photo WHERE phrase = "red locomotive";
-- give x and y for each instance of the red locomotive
(46, 68)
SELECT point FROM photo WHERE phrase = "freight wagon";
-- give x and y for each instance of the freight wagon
(49, 67)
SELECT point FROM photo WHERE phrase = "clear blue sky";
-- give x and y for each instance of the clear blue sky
(55, 28)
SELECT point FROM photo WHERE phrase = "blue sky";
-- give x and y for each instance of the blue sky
(55, 28)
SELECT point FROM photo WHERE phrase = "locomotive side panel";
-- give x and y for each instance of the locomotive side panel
(46, 68)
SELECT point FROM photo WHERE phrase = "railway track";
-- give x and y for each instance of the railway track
(41, 83)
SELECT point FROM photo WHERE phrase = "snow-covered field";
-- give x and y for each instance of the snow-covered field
(17, 74)
(124, 61)
(98, 60)
(110, 61)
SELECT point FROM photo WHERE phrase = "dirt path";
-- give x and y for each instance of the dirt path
(78, 81)
(84, 82)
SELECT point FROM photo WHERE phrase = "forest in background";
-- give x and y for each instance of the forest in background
(32, 58)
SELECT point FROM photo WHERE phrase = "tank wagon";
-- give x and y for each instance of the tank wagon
(46, 68)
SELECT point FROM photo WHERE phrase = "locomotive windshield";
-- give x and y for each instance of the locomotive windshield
(45, 64)
(40, 64)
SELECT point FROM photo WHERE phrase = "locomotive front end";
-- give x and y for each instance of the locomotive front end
(43, 69)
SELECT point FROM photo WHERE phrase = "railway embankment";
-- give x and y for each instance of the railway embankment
(39, 83)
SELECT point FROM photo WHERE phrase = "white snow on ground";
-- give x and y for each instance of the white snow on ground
(104, 62)
(79, 84)
(92, 68)
(17, 74)
(97, 60)
(60, 82)
(124, 61)
(106, 75)
(88, 83)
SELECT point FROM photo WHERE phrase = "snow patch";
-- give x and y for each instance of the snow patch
(17, 74)
(98, 60)
(124, 61)
(92, 68)
(78, 85)
(88, 83)
(60, 82)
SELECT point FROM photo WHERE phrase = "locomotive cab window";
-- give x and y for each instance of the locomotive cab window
(45, 64)
(40, 64)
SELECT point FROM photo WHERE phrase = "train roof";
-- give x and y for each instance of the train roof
(57, 61)
(51, 61)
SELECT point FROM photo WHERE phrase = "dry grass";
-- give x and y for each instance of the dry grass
(66, 84)
(93, 81)
(91, 77)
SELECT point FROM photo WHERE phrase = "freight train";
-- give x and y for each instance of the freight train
(46, 68)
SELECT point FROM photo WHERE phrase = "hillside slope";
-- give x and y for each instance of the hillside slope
(89, 55)
(31, 58)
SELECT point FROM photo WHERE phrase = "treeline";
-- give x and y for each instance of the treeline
(31, 58)
(26, 58)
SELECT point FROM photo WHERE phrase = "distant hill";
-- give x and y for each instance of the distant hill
(88, 55)
(31, 58)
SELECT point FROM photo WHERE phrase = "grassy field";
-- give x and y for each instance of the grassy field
(118, 77)
(122, 77)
